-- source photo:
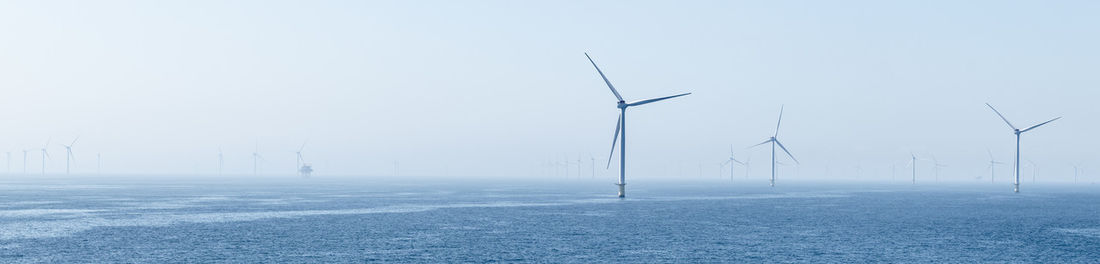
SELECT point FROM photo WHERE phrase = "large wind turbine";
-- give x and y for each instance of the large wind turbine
(620, 126)
(1017, 131)
(774, 141)
(69, 154)
(728, 161)
(44, 156)
(992, 164)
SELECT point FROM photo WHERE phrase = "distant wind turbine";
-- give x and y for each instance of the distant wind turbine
(24, 162)
(936, 167)
(45, 155)
(69, 154)
(775, 141)
(620, 126)
(256, 160)
(300, 160)
(221, 161)
(1034, 170)
(913, 164)
(992, 164)
(593, 165)
(1017, 131)
(1076, 168)
(730, 161)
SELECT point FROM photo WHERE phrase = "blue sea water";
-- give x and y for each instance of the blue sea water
(319, 220)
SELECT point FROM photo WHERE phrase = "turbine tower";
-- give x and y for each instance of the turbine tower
(1034, 170)
(44, 156)
(221, 161)
(256, 160)
(992, 163)
(24, 162)
(775, 141)
(936, 167)
(1076, 168)
(300, 160)
(69, 154)
(730, 160)
(1017, 131)
(620, 126)
(913, 163)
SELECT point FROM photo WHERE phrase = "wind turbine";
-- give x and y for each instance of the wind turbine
(24, 162)
(774, 141)
(936, 167)
(44, 156)
(221, 161)
(1034, 170)
(913, 163)
(992, 163)
(1017, 131)
(593, 164)
(728, 161)
(300, 160)
(256, 160)
(748, 165)
(69, 154)
(620, 126)
(1076, 167)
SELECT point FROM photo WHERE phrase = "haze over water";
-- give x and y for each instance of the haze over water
(352, 220)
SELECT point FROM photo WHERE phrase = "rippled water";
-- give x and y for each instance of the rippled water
(316, 220)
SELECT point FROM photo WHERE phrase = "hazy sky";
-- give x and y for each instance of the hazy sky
(498, 88)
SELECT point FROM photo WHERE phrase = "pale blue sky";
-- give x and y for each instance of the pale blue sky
(495, 88)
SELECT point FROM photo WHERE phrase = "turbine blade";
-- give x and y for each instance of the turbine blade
(725, 163)
(778, 122)
(1002, 116)
(761, 143)
(302, 147)
(738, 161)
(642, 102)
(616, 92)
(788, 152)
(1043, 123)
(618, 125)
(990, 154)
(74, 141)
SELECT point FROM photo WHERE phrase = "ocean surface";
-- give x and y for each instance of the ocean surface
(291, 220)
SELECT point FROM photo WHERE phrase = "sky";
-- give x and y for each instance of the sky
(498, 89)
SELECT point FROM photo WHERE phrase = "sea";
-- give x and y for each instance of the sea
(357, 220)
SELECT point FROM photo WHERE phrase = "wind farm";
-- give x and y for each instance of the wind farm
(472, 132)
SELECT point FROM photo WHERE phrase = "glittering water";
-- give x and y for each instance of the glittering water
(317, 220)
